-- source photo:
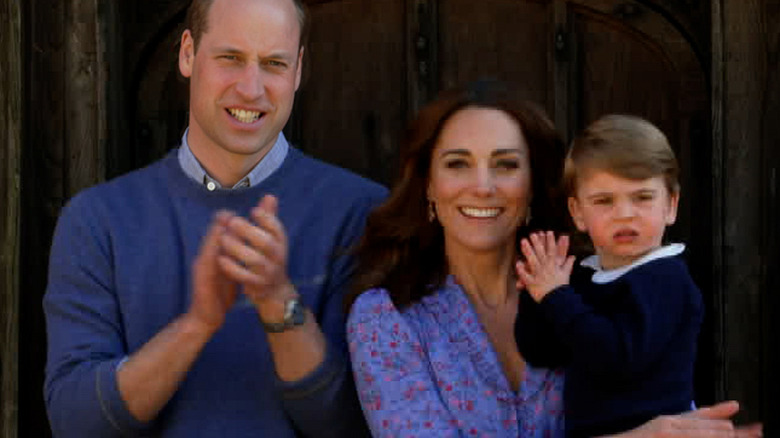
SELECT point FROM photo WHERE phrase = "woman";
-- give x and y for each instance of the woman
(431, 323)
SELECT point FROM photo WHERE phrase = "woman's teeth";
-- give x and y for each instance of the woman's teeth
(244, 116)
(480, 212)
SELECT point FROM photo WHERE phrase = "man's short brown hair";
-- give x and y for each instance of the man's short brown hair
(198, 12)
(626, 146)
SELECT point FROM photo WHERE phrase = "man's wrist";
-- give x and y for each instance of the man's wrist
(294, 316)
(281, 311)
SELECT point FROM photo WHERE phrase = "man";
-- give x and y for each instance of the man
(180, 306)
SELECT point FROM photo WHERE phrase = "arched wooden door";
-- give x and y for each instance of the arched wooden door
(370, 64)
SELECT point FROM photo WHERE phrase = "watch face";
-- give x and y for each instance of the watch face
(298, 313)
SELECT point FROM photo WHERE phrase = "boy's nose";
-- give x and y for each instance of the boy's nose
(624, 209)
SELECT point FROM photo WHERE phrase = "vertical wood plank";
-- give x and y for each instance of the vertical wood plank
(83, 97)
(743, 239)
(717, 304)
(770, 15)
(43, 193)
(562, 61)
(10, 149)
(422, 46)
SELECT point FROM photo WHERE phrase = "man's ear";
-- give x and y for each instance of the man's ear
(299, 69)
(671, 214)
(186, 54)
(576, 214)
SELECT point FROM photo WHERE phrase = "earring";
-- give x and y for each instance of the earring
(527, 216)
(431, 211)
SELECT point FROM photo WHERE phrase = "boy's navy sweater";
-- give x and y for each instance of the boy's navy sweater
(120, 271)
(628, 346)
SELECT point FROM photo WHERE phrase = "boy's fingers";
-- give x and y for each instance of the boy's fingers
(569, 264)
(531, 261)
(538, 246)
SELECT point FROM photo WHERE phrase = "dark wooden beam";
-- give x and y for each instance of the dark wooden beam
(10, 150)
(770, 143)
(744, 242)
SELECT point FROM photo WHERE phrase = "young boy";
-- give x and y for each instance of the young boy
(625, 324)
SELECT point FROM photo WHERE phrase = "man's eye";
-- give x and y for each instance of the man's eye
(229, 57)
(274, 63)
(602, 201)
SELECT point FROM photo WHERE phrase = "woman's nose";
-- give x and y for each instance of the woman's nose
(485, 184)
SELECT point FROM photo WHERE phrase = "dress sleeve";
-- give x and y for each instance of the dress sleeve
(392, 373)
(644, 314)
(84, 331)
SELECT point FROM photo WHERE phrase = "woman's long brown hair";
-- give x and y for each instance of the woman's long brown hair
(401, 250)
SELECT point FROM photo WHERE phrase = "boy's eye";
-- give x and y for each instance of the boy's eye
(644, 197)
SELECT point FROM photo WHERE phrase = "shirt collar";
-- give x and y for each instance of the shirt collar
(602, 276)
(270, 162)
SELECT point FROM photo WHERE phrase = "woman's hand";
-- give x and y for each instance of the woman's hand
(712, 421)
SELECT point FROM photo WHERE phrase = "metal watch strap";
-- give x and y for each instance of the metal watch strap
(294, 315)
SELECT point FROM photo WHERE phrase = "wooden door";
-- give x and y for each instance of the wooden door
(370, 64)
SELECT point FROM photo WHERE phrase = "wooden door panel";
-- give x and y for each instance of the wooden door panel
(351, 107)
(503, 39)
(629, 59)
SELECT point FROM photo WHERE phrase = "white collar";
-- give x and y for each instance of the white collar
(602, 276)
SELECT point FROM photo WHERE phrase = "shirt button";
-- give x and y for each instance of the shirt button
(211, 186)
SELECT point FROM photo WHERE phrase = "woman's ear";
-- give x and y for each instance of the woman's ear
(576, 214)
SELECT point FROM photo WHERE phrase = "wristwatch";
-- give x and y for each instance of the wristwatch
(294, 315)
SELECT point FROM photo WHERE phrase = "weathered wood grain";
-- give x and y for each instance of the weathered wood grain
(11, 141)
(745, 74)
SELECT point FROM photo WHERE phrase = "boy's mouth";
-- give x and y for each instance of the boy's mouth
(625, 236)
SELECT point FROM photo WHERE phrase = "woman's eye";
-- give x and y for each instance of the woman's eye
(508, 164)
(455, 164)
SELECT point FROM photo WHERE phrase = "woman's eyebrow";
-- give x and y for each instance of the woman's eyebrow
(507, 151)
(455, 152)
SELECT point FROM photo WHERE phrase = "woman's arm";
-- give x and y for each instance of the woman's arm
(711, 422)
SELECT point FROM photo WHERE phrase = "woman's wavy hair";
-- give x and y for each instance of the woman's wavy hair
(401, 250)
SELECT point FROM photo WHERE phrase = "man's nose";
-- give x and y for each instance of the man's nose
(250, 84)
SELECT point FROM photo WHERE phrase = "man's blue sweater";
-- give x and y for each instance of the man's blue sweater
(120, 271)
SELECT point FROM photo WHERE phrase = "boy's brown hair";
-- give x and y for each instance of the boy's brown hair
(626, 146)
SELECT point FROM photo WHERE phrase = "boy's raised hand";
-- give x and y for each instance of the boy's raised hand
(546, 265)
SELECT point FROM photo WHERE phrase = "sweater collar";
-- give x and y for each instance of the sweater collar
(270, 162)
(602, 276)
